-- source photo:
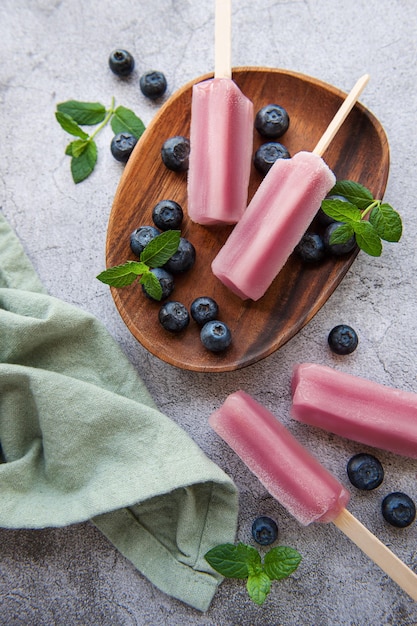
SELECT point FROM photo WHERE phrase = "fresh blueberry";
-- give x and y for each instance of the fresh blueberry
(264, 530)
(121, 62)
(167, 215)
(311, 248)
(267, 154)
(398, 509)
(175, 153)
(337, 249)
(272, 121)
(141, 237)
(342, 339)
(183, 259)
(166, 280)
(153, 84)
(174, 316)
(322, 217)
(204, 309)
(365, 471)
(215, 336)
(122, 146)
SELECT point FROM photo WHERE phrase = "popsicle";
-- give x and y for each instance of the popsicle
(355, 408)
(297, 480)
(221, 138)
(279, 213)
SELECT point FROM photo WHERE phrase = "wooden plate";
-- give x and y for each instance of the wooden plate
(359, 152)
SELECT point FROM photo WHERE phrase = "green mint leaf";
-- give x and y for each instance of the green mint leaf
(122, 275)
(151, 285)
(70, 125)
(258, 587)
(232, 561)
(84, 164)
(125, 120)
(281, 561)
(341, 211)
(342, 233)
(161, 248)
(387, 222)
(76, 148)
(356, 193)
(84, 113)
(367, 238)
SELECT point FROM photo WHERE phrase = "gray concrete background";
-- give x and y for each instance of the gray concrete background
(54, 50)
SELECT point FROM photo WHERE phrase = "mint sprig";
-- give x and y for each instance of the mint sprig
(73, 114)
(244, 562)
(368, 219)
(155, 254)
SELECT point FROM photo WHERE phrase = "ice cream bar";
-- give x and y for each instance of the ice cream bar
(355, 408)
(290, 474)
(221, 138)
(274, 222)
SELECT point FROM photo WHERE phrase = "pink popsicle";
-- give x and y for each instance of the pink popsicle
(355, 408)
(290, 474)
(274, 222)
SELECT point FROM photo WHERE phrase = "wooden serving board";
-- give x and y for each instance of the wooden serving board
(359, 152)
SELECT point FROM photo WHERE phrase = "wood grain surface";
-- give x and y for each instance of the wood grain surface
(359, 152)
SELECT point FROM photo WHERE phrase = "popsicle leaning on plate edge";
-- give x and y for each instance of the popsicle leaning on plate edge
(279, 213)
(297, 480)
(221, 138)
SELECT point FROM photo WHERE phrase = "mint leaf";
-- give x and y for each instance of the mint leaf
(122, 275)
(151, 285)
(231, 561)
(125, 120)
(84, 113)
(83, 164)
(387, 222)
(355, 193)
(69, 125)
(341, 211)
(161, 248)
(281, 561)
(341, 234)
(367, 238)
(76, 148)
(258, 586)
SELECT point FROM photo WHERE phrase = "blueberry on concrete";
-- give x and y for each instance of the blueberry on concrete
(121, 62)
(267, 154)
(398, 509)
(175, 153)
(166, 280)
(167, 215)
(153, 84)
(342, 339)
(183, 259)
(215, 336)
(174, 316)
(204, 309)
(141, 237)
(122, 146)
(337, 249)
(264, 530)
(365, 471)
(311, 248)
(272, 121)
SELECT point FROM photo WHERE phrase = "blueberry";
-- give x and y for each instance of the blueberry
(167, 215)
(141, 237)
(204, 309)
(215, 336)
(175, 153)
(122, 146)
(183, 259)
(337, 248)
(342, 339)
(153, 84)
(267, 154)
(166, 280)
(398, 509)
(121, 62)
(174, 316)
(325, 219)
(264, 530)
(365, 471)
(311, 248)
(272, 121)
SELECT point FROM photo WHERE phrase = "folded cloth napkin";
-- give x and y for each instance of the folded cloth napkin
(82, 439)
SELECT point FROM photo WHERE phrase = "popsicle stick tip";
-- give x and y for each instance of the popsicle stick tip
(222, 39)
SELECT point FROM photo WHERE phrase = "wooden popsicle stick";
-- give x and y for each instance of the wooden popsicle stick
(341, 115)
(222, 39)
(377, 552)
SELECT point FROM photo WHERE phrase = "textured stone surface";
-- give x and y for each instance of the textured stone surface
(53, 51)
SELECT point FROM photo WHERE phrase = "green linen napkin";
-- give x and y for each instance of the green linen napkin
(82, 439)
